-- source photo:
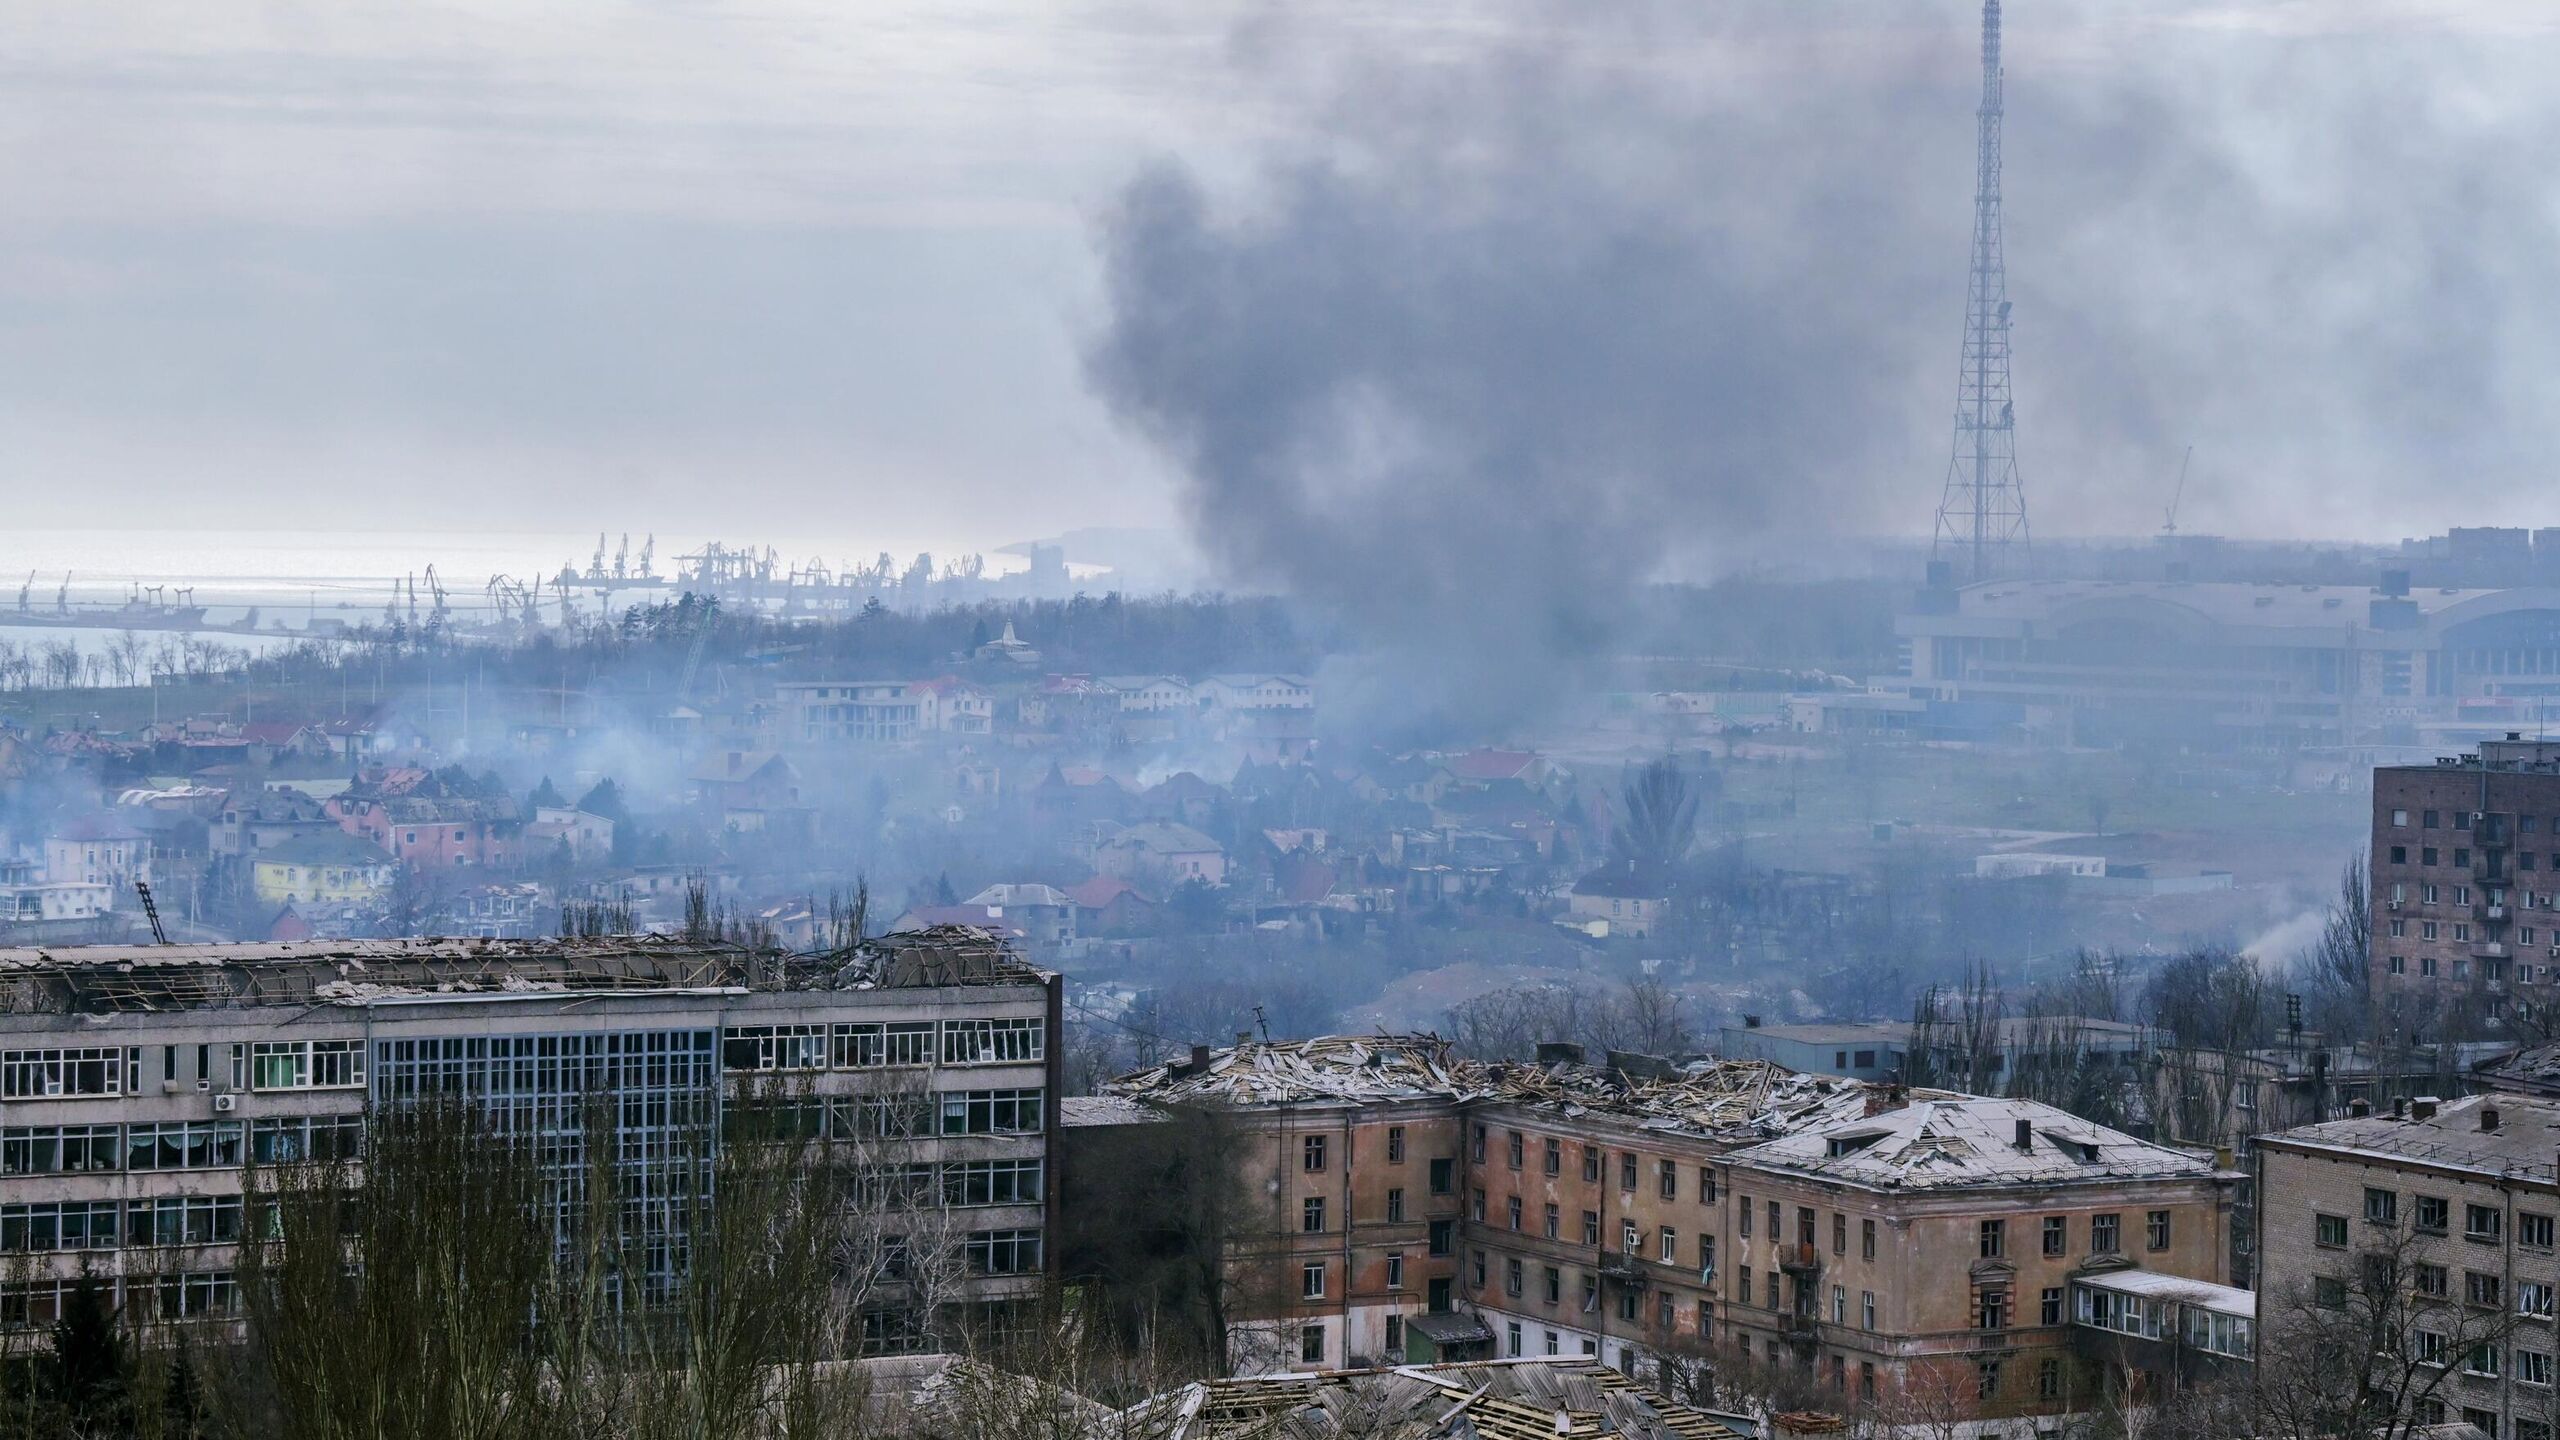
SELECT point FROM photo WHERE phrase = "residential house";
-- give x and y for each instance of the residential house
(1161, 856)
(1625, 897)
(1109, 905)
(1149, 694)
(587, 838)
(98, 849)
(317, 871)
(27, 898)
(1256, 692)
(728, 781)
(1183, 798)
(440, 821)
(253, 818)
(271, 741)
(1042, 914)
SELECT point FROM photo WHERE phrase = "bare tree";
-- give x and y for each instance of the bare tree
(2365, 1347)
(2336, 972)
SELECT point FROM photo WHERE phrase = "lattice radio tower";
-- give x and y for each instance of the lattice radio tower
(1982, 519)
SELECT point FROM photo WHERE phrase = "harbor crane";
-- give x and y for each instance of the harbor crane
(2169, 525)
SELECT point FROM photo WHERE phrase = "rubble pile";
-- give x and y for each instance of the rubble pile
(1329, 1067)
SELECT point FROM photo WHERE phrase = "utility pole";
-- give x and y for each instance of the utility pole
(1983, 511)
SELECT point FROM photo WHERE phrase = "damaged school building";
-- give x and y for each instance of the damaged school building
(1660, 1217)
(141, 1084)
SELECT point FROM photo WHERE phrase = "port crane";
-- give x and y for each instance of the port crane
(2169, 525)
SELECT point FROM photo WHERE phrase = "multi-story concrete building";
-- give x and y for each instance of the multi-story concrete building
(1347, 1170)
(1881, 1240)
(2226, 664)
(2465, 878)
(1928, 1249)
(821, 712)
(2454, 1208)
(138, 1082)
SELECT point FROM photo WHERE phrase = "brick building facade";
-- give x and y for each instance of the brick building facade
(2465, 875)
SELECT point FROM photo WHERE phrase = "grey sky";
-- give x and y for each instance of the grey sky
(753, 267)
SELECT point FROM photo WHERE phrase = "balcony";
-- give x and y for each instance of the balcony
(1800, 1330)
(1627, 1269)
(2494, 914)
(2489, 950)
(1801, 1258)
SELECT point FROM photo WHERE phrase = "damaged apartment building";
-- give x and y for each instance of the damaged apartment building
(1651, 1215)
(140, 1084)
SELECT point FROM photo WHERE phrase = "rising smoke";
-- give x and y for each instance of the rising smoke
(1516, 316)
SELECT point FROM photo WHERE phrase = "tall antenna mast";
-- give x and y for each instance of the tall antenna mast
(1984, 510)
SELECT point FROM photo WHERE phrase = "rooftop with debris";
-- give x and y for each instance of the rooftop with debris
(1327, 1067)
(1939, 1142)
(1529, 1399)
(1737, 1101)
(95, 979)
(2508, 1136)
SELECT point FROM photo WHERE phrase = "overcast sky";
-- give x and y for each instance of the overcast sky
(782, 267)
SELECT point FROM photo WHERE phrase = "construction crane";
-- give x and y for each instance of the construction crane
(24, 591)
(158, 934)
(2169, 525)
(648, 552)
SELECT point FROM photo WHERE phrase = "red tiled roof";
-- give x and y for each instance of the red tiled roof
(1490, 764)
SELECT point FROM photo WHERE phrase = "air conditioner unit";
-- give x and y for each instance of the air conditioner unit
(224, 1104)
(168, 1087)
(2394, 904)
(203, 1085)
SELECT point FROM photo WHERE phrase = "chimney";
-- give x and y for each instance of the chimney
(1199, 1057)
(2488, 1119)
(2026, 1135)
(737, 761)
(1750, 1022)
(2399, 1107)
(2425, 1107)
(2358, 1109)
(1881, 1098)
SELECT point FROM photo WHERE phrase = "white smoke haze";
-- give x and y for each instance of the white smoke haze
(1497, 325)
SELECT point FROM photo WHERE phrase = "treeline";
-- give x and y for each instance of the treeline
(654, 646)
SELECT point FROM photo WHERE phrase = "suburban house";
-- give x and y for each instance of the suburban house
(1627, 896)
(1162, 855)
(1043, 914)
(321, 870)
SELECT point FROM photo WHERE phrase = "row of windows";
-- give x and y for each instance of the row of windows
(955, 1184)
(38, 1304)
(1992, 1240)
(106, 1224)
(176, 1144)
(2466, 819)
(877, 1044)
(1666, 1173)
(2433, 1215)
(897, 1116)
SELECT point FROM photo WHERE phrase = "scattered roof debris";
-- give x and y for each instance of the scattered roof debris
(1529, 1399)
(1328, 1067)
(94, 979)
(1943, 1141)
(1737, 1101)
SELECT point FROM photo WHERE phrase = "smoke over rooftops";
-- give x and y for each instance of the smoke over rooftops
(1506, 325)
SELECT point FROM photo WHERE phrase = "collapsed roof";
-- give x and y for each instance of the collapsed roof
(1530, 1399)
(92, 979)
(1738, 1101)
(1941, 1141)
